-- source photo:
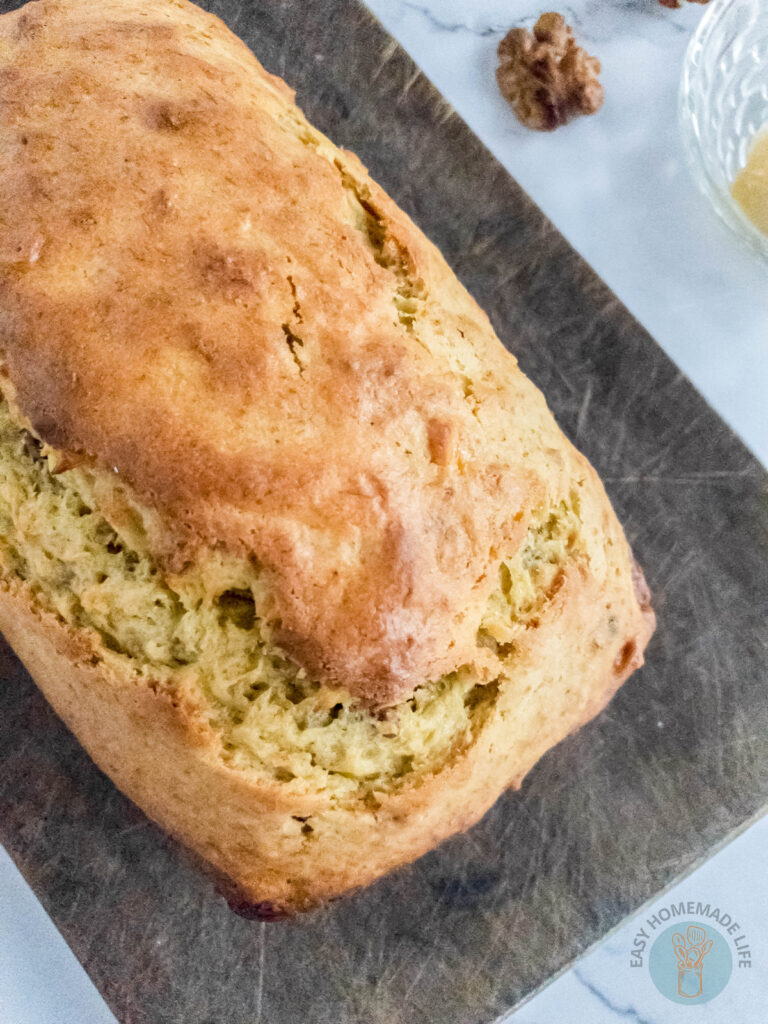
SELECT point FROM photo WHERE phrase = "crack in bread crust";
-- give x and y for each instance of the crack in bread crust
(208, 632)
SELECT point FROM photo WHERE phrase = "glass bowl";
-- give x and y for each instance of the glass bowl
(723, 103)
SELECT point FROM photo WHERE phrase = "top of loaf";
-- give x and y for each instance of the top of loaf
(205, 299)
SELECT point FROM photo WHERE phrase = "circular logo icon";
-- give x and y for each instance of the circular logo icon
(690, 963)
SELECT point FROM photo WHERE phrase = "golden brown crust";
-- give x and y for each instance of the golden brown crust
(188, 294)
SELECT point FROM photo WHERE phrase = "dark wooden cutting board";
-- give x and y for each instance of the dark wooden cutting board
(677, 763)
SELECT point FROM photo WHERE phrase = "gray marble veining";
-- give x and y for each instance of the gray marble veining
(592, 20)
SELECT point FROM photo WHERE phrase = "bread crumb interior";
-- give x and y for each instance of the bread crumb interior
(208, 630)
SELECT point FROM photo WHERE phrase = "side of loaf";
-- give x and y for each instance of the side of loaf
(286, 538)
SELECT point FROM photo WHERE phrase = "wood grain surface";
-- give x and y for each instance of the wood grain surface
(677, 763)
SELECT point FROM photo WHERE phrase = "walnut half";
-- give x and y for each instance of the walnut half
(546, 77)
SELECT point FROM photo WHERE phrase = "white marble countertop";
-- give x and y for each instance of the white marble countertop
(616, 187)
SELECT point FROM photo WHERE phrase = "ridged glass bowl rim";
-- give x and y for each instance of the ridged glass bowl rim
(694, 146)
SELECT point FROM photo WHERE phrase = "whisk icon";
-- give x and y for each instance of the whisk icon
(690, 954)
